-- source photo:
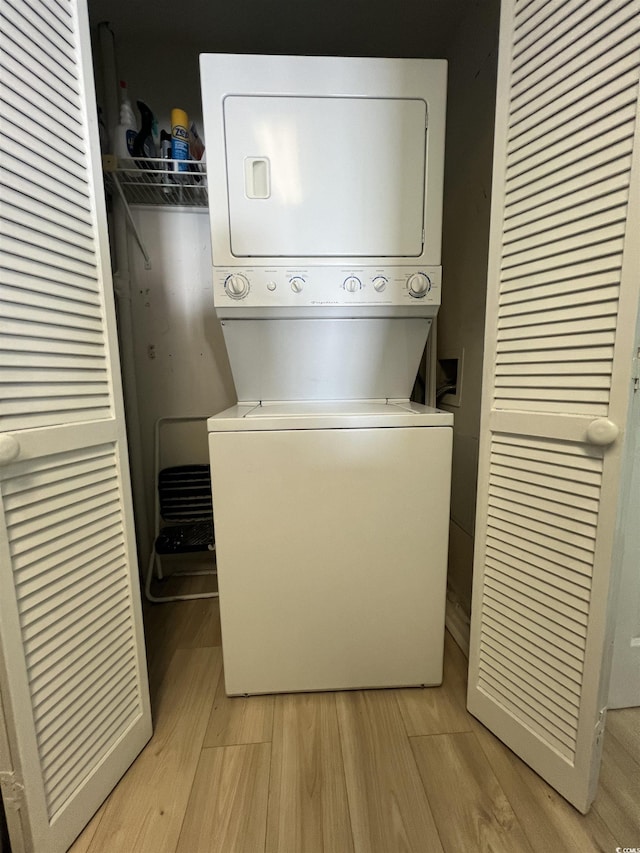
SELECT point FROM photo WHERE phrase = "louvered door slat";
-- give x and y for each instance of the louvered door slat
(85, 321)
(517, 303)
(582, 458)
(558, 537)
(577, 558)
(39, 164)
(37, 31)
(98, 674)
(121, 713)
(578, 45)
(48, 377)
(582, 504)
(596, 381)
(565, 612)
(527, 15)
(572, 178)
(601, 132)
(597, 284)
(56, 23)
(561, 591)
(45, 663)
(73, 287)
(516, 646)
(598, 227)
(47, 265)
(61, 10)
(556, 18)
(503, 625)
(566, 645)
(70, 621)
(580, 343)
(31, 52)
(77, 488)
(40, 224)
(61, 117)
(51, 469)
(43, 174)
(578, 521)
(529, 705)
(73, 229)
(25, 326)
(65, 300)
(54, 199)
(560, 686)
(586, 150)
(560, 315)
(45, 83)
(576, 319)
(47, 678)
(105, 543)
(542, 695)
(568, 98)
(80, 570)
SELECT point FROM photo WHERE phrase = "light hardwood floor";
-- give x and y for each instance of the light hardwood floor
(352, 772)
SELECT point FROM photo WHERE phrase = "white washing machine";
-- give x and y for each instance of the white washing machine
(330, 488)
(331, 536)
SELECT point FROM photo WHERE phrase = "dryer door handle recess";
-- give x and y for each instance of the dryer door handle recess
(257, 177)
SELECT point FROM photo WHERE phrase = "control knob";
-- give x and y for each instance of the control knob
(236, 286)
(379, 283)
(297, 284)
(352, 284)
(419, 285)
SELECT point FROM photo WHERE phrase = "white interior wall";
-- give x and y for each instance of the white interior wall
(472, 59)
(180, 359)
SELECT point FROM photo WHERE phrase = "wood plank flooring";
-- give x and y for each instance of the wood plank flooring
(382, 771)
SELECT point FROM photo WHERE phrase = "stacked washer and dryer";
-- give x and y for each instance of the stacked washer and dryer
(330, 488)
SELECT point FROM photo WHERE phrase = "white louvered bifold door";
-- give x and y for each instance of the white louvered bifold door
(72, 667)
(564, 275)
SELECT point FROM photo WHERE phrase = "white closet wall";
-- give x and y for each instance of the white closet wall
(473, 56)
(181, 363)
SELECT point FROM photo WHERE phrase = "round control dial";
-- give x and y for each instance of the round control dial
(352, 284)
(236, 286)
(379, 283)
(419, 285)
(297, 284)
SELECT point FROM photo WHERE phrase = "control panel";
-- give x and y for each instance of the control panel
(330, 286)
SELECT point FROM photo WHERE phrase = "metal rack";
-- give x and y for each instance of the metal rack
(158, 182)
(154, 181)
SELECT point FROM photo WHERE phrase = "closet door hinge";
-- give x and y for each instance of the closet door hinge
(635, 373)
(12, 789)
(599, 727)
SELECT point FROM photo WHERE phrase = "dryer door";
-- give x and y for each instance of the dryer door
(325, 176)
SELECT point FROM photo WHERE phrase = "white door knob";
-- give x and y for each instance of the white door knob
(602, 431)
(9, 448)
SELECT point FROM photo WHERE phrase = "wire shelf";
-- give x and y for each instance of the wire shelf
(158, 182)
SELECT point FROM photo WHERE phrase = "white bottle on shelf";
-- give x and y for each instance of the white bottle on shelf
(127, 129)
